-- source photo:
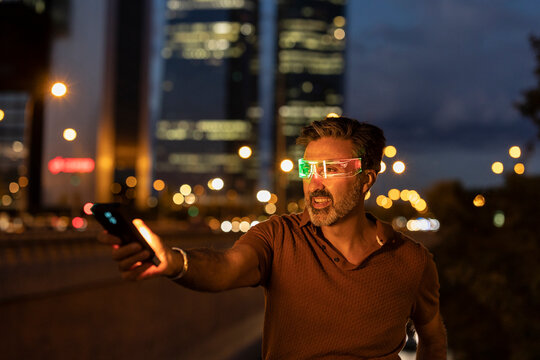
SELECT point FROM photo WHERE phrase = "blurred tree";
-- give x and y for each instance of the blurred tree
(490, 276)
(530, 106)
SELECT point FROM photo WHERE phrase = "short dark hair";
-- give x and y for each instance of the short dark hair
(368, 140)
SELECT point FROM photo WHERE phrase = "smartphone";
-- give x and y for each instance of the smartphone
(115, 219)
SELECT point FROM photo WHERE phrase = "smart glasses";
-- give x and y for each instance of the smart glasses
(329, 168)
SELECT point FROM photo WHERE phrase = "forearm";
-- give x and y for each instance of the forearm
(210, 270)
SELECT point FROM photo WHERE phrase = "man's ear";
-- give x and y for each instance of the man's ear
(370, 176)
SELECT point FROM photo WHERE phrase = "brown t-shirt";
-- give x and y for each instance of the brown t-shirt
(318, 305)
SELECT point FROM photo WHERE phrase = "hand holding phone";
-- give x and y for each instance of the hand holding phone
(115, 219)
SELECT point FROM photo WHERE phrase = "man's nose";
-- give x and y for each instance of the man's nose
(316, 181)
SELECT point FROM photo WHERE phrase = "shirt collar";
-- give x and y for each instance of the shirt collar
(385, 232)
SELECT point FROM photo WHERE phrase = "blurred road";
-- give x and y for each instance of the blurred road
(61, 298)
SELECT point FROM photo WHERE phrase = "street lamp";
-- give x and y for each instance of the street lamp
(59, 89)
(70, 134)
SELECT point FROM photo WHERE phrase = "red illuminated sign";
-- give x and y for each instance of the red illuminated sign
(71, 165)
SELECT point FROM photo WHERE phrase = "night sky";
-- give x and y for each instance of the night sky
(440, 78)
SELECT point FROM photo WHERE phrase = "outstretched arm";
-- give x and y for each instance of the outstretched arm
(208, 269)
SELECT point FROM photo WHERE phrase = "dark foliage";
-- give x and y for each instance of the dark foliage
(490, 276)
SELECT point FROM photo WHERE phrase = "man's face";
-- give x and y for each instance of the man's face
(328, 200)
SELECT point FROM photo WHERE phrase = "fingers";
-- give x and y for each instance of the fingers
(122, 252)
(137, 272)
(133, 261)
(108, 239)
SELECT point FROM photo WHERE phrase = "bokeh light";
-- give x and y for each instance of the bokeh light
(339, 21)
(87, 208)
(390, 151)
(479, 200)
(190, 199)
(193, 211)
(519, 168)
(394, 194)
(59, 89)
(368, 195)
(404, 195)
(185, 189)
(2, 114)
(131, 181)
(498, 219)
(398, 167)
(69, 134)
(178, 199)
(14, 187)
(79, 223)
(497, 167)
(17, 146)
(158, 185)
(244, 226)
(339, 34)
(287, 165)
(216, 184)
(226, 226)
(514, 152)
(292, 207)
(420, 205)
(264, 195)
(23, 181)
(270, 208)
(245, 152)
(383, 167)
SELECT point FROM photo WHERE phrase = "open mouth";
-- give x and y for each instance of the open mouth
(320, 202)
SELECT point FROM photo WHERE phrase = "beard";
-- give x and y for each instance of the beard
(335, 211)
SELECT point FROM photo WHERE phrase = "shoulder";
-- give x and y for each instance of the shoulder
(278, 223)
(406, 250)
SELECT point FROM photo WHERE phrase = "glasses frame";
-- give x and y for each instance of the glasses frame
(313, 168)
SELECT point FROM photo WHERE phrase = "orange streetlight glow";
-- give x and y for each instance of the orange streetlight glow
(497, 167)
(479, 201)
(514, 152)
(519, 168)
(390, 151)
(59, 89)
(159, 185)
(394, 194)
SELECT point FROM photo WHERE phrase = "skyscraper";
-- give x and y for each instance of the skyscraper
(310, 72)
(207, 93)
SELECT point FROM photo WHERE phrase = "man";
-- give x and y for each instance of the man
(339, 284)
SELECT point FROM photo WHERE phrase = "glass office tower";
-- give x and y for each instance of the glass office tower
(207, 94)
(310, 72)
